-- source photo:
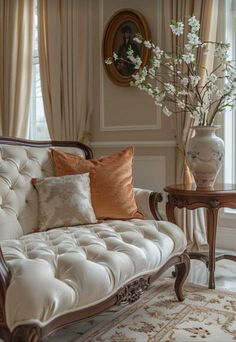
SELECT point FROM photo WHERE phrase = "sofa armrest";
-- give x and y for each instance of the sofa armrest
(147, 203)
(5, 277)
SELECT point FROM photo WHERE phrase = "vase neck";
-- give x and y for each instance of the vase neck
(205, 130)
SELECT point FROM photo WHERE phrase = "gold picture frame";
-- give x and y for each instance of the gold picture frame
(118, 35)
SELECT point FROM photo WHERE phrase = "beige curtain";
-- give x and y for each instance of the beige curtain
(16, 34)
(65, 51)
(193, 222)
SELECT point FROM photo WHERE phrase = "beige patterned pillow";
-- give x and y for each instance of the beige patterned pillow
(64, 201)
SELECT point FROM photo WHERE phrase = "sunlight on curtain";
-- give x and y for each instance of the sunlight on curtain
(16, 27)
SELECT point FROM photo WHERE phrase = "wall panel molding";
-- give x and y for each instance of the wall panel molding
(225, 238)
(112, 144)
(108, 128)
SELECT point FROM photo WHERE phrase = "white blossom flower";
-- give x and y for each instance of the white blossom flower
(184, 81)
(166, 111)
(159, 97)
(140, 76)
(188, 47)
(194, 23)
(147, 44)
(135, 60)
(150, 91)
(222, 52)
(157, 51)
(212, 78)
(219, 93)
(151, 72)
(169, 88)
(129, 52)
(115, 56)
(144, 71)
(188, 58)
(182, 93)
(193, 39)
(156, 62)
(137, 40)
(194, 80)
(231, 73)
(177, 28)
(138, 62)
(180, 104)
(108, 60)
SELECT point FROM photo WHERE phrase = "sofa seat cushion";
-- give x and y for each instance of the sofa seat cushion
(64, 269)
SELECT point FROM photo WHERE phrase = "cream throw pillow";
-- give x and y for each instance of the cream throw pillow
(64, 201)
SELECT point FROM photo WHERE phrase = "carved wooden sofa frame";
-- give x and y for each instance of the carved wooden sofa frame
(128, 293)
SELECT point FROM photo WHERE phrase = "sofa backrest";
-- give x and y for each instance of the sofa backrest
(20, 161)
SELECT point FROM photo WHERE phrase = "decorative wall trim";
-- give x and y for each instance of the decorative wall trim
(112, 144)
(103, 127)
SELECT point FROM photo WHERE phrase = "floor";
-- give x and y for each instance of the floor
(225, 275)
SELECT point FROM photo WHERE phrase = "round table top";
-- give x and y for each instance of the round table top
(219, 189)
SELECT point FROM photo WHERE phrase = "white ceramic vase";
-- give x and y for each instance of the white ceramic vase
(205, 155)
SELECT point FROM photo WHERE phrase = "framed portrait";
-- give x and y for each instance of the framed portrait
(118, 37)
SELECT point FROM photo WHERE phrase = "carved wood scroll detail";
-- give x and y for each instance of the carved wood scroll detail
(27, 333)
(177, 202)
(133, 291)
(185, 203)
(214, 203)
(154, 199)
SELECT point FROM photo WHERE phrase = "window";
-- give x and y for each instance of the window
(230, 115)
(37, 123)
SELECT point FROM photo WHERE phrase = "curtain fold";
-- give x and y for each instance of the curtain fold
(65, 52)
(193, 222)
(16, 40)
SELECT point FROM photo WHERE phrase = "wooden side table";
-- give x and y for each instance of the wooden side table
(187, 196)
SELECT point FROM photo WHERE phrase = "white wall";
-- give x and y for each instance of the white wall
(126, 116)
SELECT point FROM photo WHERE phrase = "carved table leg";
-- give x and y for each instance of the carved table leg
(212, 214)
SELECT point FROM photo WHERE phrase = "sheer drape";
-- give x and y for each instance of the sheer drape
(16, 34)
(65, 52)
(193, 222)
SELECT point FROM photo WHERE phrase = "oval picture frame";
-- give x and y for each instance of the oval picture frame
(118, 34)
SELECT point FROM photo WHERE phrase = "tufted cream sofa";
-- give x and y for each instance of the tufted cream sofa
(53, 278)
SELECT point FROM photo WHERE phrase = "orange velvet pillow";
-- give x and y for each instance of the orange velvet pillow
(69, 164)
(111, 181)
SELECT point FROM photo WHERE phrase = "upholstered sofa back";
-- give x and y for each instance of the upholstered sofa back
(18, 198)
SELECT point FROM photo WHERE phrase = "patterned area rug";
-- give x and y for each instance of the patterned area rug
(158, 317)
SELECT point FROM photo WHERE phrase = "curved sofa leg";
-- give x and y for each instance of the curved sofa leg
(26, 333)
(182, 271)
